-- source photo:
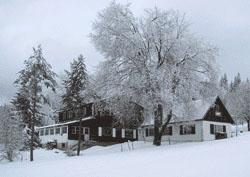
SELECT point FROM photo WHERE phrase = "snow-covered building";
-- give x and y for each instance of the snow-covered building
(210, 121)
(96, 127)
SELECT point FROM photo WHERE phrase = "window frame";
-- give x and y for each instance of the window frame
(41, 132)
(46, 131)
(51, 131)
(87, 131)
(56, 132)
(73, 130)
(187, 129)
(168, 131)
(64, 128)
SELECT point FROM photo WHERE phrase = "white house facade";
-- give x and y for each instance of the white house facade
(214, 122)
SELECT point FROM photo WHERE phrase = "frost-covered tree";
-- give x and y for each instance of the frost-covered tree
(153, 59)
(36, 76)
(75, 86)
(238, 103)
(224, 83)
(236, 82)
(11, 134)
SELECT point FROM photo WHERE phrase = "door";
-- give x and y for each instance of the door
(86, 133)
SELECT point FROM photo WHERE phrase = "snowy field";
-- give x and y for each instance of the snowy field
(223, 158)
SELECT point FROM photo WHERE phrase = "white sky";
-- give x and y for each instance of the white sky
(63, 26)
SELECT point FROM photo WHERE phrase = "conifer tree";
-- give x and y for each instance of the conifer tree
(35, 77)
(75, 86)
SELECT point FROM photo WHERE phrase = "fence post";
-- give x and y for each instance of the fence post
(121, 148)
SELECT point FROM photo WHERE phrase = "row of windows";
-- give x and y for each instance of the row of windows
(184, 130)
(73, 115)
(188, 130)
(53, 131)
(75, 130)
(167, 131)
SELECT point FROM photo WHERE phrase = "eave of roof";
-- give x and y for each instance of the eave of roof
(66, 123)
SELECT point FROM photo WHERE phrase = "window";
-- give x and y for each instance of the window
(63, 145)
(129, 133)
(150, 132)
(46, 131)
(73, 115)
(83, 111)
(58, 130)
(224, 128)
(86, 131)
(217, 110)
(73, 130)
(212, 129)
(217, 129)
(51, 131)
(65, 115)
(147, 132)
(168, 131)
(41, 132)
(64, 130)
(187, 129)
(106, 131)
(77, 129)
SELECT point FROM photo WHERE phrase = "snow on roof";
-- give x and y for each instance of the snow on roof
(66, 123)
(194, 111)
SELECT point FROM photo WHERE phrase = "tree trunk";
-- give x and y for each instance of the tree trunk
(79, 136)
(33, 117)
(32, 141)
(157, 124)
(159, 128)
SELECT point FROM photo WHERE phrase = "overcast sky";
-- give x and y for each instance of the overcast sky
(63, 26)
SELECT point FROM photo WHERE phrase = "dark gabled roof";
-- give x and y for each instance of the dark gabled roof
(226, 118)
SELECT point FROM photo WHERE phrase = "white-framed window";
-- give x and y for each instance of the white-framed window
(41, 132)
(64, 130)
(58, 130)
(168, 131)
(187, 129)
(46, 131)
(149, 132)
(217, 129)
(86, 131)
(51, 131)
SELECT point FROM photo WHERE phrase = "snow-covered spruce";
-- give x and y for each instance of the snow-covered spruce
(36, 76)
(75, 86)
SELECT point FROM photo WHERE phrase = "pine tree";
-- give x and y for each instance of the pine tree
(35, 77)
(75, 86)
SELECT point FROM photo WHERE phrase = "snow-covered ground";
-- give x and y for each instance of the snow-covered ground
(223, 158)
